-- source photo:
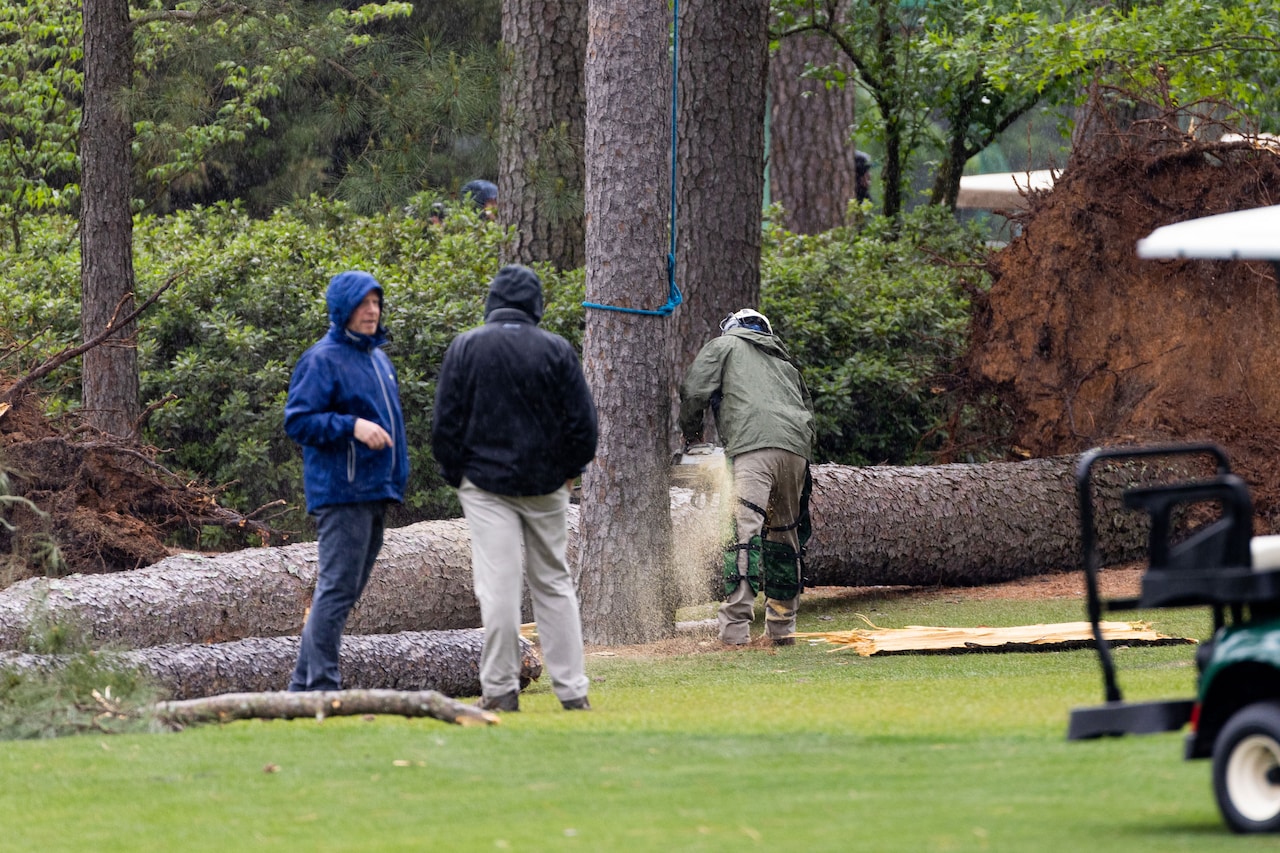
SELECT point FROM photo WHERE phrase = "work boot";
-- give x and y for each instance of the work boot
(579, 704)
(784, 641)
(505, 702)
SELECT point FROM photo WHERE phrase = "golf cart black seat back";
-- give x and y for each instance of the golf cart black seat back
(1222, 563)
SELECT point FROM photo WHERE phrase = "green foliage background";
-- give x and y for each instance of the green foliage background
(874, 321)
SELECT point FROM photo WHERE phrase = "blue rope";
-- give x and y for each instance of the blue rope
(674, 298)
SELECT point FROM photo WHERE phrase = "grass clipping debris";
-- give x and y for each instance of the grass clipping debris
(874, 640)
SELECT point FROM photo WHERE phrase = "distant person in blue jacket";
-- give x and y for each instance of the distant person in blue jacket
(344, 409)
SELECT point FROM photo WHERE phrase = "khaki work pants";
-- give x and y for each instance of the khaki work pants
(515, 539)
(773, 480)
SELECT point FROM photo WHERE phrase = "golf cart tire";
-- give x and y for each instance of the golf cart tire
(1246, 769)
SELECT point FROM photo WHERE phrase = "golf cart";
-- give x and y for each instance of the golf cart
(1235, 714)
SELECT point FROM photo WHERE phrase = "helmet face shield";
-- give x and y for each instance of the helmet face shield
(747, 319)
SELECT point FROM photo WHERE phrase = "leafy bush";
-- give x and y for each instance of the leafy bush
(873, 320)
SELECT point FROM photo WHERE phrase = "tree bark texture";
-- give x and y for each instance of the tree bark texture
(541, 170)
(320, 704)
(624, 564)
(110, 371)
(443, 661)
(724, 56)
(812, 171)
(962, 525)
(422, 581)
(951, 525)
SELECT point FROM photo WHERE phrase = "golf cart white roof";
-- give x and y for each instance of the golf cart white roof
(1245, 235)
(1003, 189)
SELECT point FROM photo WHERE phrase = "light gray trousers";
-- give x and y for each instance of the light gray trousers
(515, 539)
(773, 480)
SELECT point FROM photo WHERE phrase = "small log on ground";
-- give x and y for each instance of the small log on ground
(951, 525)
(444, 661)
(320, 704)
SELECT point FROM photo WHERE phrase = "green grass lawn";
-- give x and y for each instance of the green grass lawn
(795, 749)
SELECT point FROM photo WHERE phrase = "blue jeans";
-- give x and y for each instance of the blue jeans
(350, 537)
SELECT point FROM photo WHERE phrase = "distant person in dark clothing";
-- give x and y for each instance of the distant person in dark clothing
(483, 194)
(514, 425)
(344, 409)
(862, 170)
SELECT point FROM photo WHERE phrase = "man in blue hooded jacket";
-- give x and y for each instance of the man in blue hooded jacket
(344, 409)
(514, 424)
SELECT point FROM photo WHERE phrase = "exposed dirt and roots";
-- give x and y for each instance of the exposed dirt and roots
(103, 501)
(1088, 344)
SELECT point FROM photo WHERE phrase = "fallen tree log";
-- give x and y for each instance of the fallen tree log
(964, 525)
(422, 582)
(320, 704)
(446, 662)
(930, 525)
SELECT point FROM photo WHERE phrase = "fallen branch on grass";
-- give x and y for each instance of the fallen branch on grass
(1021, 638)
(320, 704)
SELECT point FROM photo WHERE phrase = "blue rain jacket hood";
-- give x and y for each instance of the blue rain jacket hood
(343, 377)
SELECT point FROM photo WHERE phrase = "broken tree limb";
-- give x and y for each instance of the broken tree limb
(951, 525)
(444, 661)
(320, 704)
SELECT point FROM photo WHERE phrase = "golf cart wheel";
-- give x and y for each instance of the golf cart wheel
(1246, 769)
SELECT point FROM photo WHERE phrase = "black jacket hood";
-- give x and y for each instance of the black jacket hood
(515, 287)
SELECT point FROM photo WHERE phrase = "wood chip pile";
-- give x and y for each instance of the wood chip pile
(921, 638)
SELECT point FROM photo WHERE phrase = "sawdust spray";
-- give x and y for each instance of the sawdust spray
(702, 523)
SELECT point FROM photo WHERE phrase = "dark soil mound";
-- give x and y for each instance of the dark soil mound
(1088, 344)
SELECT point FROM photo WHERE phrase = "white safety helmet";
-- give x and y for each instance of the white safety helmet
(747, 319)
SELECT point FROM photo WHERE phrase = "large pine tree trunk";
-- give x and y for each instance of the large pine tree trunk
(110, 372)
(812, 171)
(422, 582)
(952, 525)
(444, 661)
(540, 180)
(724, 52)
(626, 548)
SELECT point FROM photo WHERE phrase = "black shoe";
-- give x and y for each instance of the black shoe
(784, 641)
(579, 704)
(505, 702)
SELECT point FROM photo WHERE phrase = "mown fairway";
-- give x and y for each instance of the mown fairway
(798, 749)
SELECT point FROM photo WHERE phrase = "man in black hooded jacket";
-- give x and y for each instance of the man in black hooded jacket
(514, 424)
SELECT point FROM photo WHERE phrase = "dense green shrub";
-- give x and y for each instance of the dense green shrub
(874, 321)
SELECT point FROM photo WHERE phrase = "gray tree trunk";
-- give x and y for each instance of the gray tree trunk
(950, 525)
(812, 171)
(540, 160)
(110, 371)
(724, 56)
(443, 661)
(625, 558)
